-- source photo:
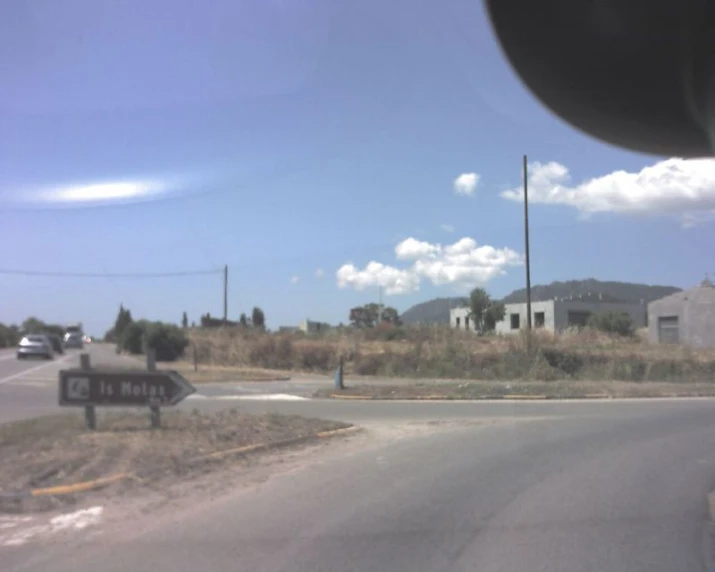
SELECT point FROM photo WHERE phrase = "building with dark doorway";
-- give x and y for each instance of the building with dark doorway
(686, 318)
(555, 315)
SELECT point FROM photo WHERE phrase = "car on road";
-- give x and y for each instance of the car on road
(74, 340)
(35, 345)
(58, 345)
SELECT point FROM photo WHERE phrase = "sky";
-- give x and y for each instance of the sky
(321, 150)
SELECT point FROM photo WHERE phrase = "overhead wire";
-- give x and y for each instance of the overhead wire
(17, 272)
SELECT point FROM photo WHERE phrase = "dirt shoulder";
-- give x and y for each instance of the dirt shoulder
(54, 451)
(519, 389)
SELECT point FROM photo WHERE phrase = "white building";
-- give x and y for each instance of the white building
(553, 315)
(311, 327)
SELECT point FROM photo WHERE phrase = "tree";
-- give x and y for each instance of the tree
(367, 316)
(495, 313)
(124, 318)
(9, 335)
(167, 340)
(243, 321)
(184, 321)
(390, 315)
(132, 338)
(32, 326)
(483, 312)
(258, 318)
(611, 322)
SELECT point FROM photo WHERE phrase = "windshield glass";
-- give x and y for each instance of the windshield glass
(357, 285)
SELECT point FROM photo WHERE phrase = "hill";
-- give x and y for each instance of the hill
(437, 311)
(592, 288)
(431, 312)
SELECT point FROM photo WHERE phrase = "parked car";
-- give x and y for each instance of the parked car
(58, 345)
(35, 345)
(74, 340)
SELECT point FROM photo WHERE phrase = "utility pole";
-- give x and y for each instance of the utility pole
(526, 253)
(379, 305)
(225, 294)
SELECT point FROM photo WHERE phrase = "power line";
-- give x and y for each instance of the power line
(13, 272)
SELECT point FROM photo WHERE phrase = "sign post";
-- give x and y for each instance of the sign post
(155, 411)
(91, 388)
(90, 417)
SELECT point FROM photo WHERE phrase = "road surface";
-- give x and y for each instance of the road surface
(569, 487)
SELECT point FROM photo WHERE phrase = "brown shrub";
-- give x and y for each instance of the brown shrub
(439, 352)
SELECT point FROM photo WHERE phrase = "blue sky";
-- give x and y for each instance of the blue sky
(296, 142)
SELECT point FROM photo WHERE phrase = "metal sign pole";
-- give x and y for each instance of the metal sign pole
(155, 410)
(90, 417)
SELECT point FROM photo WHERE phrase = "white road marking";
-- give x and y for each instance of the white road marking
(261, 397)
(26, 383)
(78, 520)
(36, 368)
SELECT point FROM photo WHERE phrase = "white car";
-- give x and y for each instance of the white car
(74, 340)
(35, 345)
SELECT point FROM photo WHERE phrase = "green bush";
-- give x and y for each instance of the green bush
(167, 340)
(9, 336)
(568, 362)
(613, 323)
(132, 338)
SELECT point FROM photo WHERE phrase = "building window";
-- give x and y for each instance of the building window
(466, 322)
(539, 319)
(577, 319)
(457, 320)
(668, 330)
(515, 322)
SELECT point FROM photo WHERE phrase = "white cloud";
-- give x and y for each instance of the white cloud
(294, 279)
(674, 186)
(447, 227)
(466, 184)
(464, 264)
(413, 249)
(319, 273)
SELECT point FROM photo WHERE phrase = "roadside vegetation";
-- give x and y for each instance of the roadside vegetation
(11, 334)
(607, 349)
(56, 450)
(441, 353)
(375, 343)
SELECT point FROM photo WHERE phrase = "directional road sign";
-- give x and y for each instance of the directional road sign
(122, 388)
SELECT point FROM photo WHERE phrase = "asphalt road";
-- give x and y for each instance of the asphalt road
(572, 487)
(619, 490)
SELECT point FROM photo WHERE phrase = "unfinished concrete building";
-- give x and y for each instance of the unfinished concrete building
(686, 318)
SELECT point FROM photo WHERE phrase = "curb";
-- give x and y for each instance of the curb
(513, 397)
(240, 380)
(85, 486)
(509, 397)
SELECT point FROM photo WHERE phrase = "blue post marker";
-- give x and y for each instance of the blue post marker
(339, 376)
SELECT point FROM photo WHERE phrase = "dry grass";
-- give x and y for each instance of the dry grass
(57, 450)
(573, 389)
(440, 352)
(210, 373)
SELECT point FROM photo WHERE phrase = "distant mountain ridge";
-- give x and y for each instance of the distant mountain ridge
(432, 312)
(591, 288)
(437, 311)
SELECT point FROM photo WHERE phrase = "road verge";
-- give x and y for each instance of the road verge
(529, 390)
(48, 461)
